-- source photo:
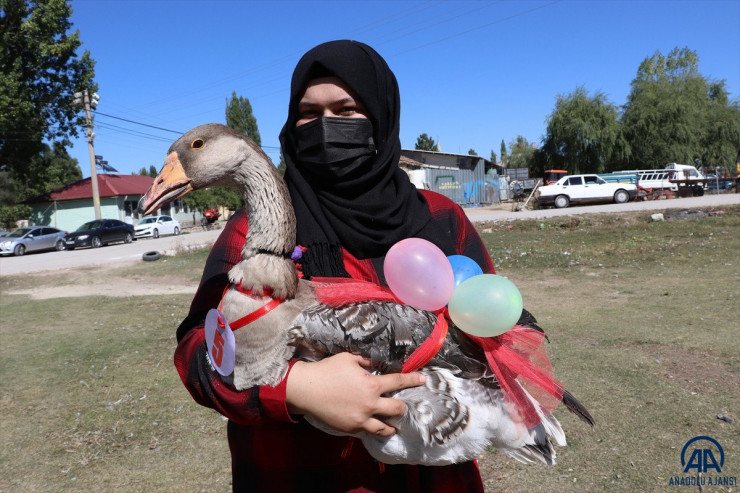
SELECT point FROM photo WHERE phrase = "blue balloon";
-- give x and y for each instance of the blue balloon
(464, 268)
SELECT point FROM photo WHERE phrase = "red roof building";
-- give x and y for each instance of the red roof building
(108, 186)
(70, 206)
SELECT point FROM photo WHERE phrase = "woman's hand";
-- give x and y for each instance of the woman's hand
(340, 392)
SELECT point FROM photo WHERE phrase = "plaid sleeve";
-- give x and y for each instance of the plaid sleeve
(250, 406)
(455, 223)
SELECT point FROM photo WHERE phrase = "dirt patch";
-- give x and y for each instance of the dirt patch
(108, 285)
(695, 372)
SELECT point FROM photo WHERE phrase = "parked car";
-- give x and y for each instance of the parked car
(581, 189)
(98, 233)
(35, 238)
(155, 226)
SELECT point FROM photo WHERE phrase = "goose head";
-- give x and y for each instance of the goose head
(206, 156)
(216, 155)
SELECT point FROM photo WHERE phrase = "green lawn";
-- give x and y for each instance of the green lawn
(642, 318)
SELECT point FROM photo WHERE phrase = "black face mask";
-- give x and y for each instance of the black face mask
(333, 147)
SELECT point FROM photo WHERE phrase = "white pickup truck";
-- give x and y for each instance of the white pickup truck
(581, 189)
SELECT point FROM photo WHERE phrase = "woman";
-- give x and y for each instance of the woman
(352, 202)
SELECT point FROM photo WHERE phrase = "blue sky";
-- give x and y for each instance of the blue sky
(471, 73)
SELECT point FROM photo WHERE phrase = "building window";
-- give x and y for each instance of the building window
(130, 209)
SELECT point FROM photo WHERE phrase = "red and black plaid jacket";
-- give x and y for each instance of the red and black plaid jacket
(273, 451)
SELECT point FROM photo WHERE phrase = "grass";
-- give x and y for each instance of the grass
(642, 318)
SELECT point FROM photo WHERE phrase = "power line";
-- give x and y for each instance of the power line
(488, 24)
(134, 133)
(139, 123)
(141, 134)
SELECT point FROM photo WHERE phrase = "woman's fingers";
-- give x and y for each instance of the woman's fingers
(376, 427)
(399, 381)
(387, 406)
(341, 392)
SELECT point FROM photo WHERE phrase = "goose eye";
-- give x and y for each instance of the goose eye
(197, 144)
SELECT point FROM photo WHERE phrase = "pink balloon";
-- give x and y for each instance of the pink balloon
(419, 274)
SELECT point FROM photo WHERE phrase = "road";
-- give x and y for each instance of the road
(482, 214)
(133, 252)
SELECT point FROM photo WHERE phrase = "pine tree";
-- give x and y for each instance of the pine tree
(239, 117)
(425, 143)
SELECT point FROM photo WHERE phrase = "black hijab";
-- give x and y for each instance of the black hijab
(369, 213)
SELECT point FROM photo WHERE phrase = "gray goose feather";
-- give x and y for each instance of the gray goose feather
(460, 410)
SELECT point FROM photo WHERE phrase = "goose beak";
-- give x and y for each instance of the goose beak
(171, 183)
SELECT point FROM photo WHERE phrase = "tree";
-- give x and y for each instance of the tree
(472, 152)
(722, 122)
(51, 169)
(521, 153)
(41, 71)
(152, 171)
(674, 114)
(425, 143)
(494, 158)
(212, 198)
(282, 166)
(504, 157)
(582, 132)
(239, 117)
(7, 189)
(10, 214)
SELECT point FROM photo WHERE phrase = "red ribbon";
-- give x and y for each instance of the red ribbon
(431, 345)
(250, 317)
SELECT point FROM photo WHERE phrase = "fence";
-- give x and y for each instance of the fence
(464, 187)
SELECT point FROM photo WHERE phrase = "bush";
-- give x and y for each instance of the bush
(9, 215)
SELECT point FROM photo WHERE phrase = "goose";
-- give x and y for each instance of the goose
(462, 409)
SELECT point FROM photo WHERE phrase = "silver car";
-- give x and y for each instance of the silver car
(32, 239)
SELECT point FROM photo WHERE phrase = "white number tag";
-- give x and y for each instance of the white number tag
(220, 342)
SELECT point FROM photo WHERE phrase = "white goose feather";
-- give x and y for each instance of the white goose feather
(456, 415)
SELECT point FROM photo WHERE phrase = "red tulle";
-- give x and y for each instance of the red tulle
(339, 291)
(520, 363)
(517, 357)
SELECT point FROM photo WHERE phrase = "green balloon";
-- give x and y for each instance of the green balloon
(486, 305)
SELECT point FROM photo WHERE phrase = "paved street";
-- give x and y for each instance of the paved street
(480, 214)
(35, 262)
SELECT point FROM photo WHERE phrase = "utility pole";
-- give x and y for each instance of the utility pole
(91, 103)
